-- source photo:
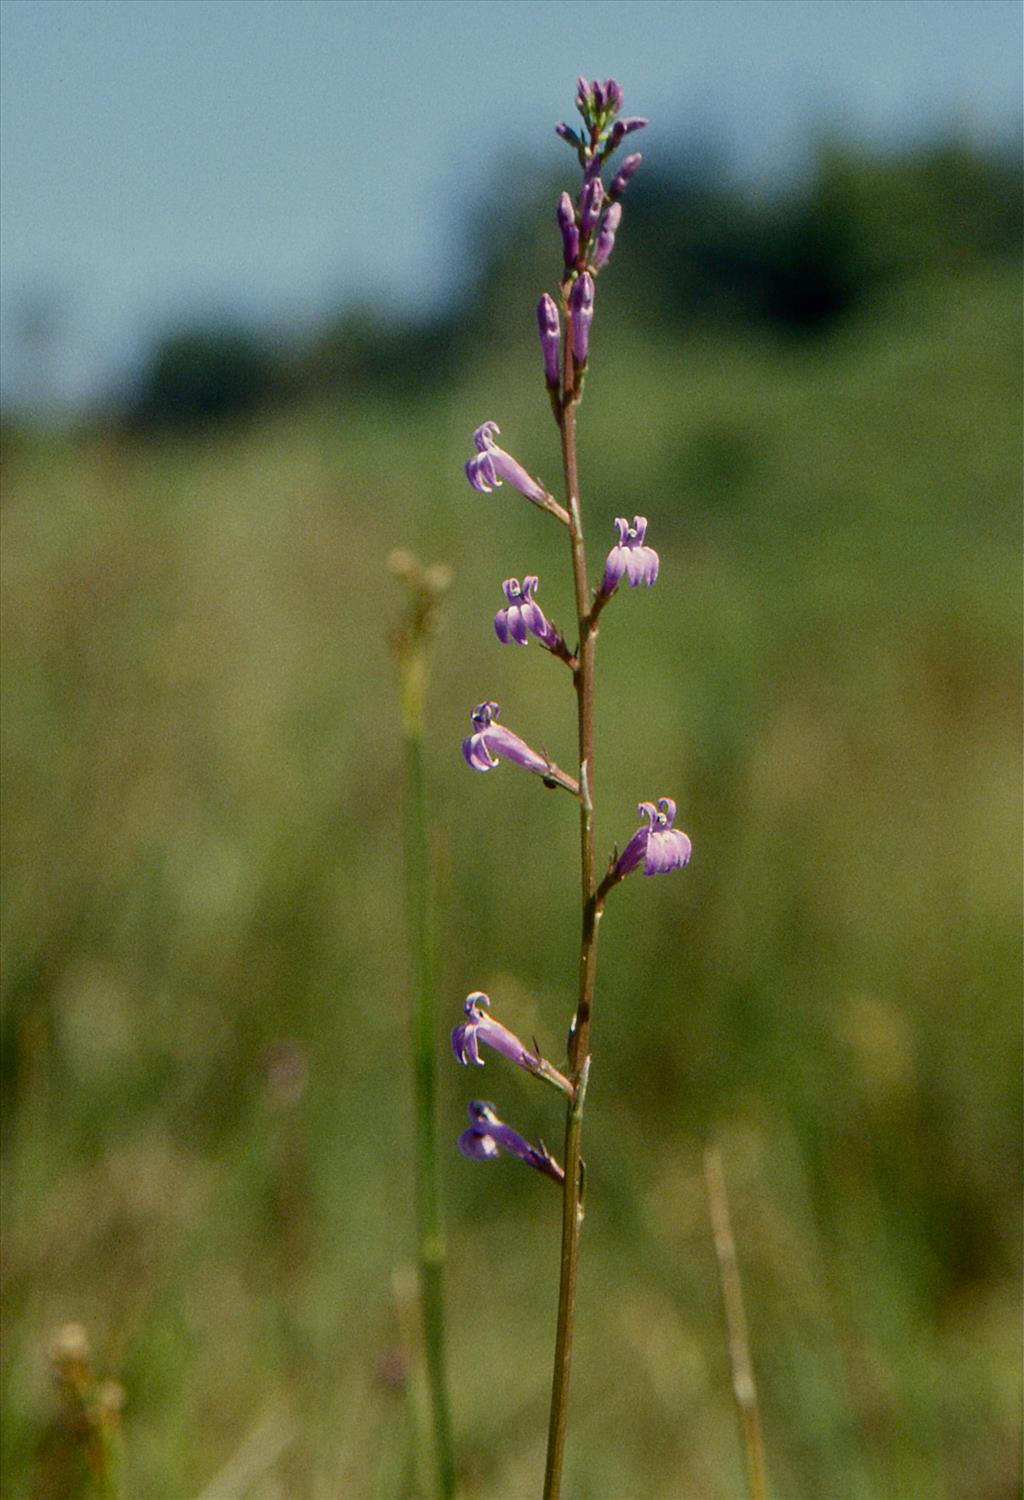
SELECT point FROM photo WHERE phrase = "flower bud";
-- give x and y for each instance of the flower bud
(606, 239)
(550, 336)
(624, 127)
(581, 305)
(591, 200)
(622, 176)
(570, 234)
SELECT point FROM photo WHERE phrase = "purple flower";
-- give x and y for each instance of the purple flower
(550, 336)
(660, 846)
(591, 200)
(567, 134)
(606, 239)
(522, 615)
(622, 176)
(492, 465)
(480, 1027)
(581, 306)
(490, 739)
(566, 215)
(488, 1136)
(630, 556)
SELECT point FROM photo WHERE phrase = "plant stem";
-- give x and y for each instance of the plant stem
(579, 1042)
(744, 1388)
(430, 1248)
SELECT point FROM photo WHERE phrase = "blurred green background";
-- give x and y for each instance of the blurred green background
(815, 398)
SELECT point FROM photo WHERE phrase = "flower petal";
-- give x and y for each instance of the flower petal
(480, 473)
(477, 1145)
(465, 1044)
(517, 625)
(502, 741)
(614, 567)
(667, 849)
(633, 853)
(477, 753)
(483, 437)
(508, 468)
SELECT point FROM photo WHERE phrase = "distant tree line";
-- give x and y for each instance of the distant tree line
(700, 250)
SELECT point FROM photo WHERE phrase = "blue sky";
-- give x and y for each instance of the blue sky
(276, 158)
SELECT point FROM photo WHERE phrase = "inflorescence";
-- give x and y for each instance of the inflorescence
(588, 225)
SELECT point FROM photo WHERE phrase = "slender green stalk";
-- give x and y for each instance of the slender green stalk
(744, 1388)
(579, 1047)
(410, 651)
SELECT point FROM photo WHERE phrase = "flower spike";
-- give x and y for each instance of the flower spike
(488, 1136)
(630, 557)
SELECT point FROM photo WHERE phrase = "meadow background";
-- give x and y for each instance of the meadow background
(814, 393)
